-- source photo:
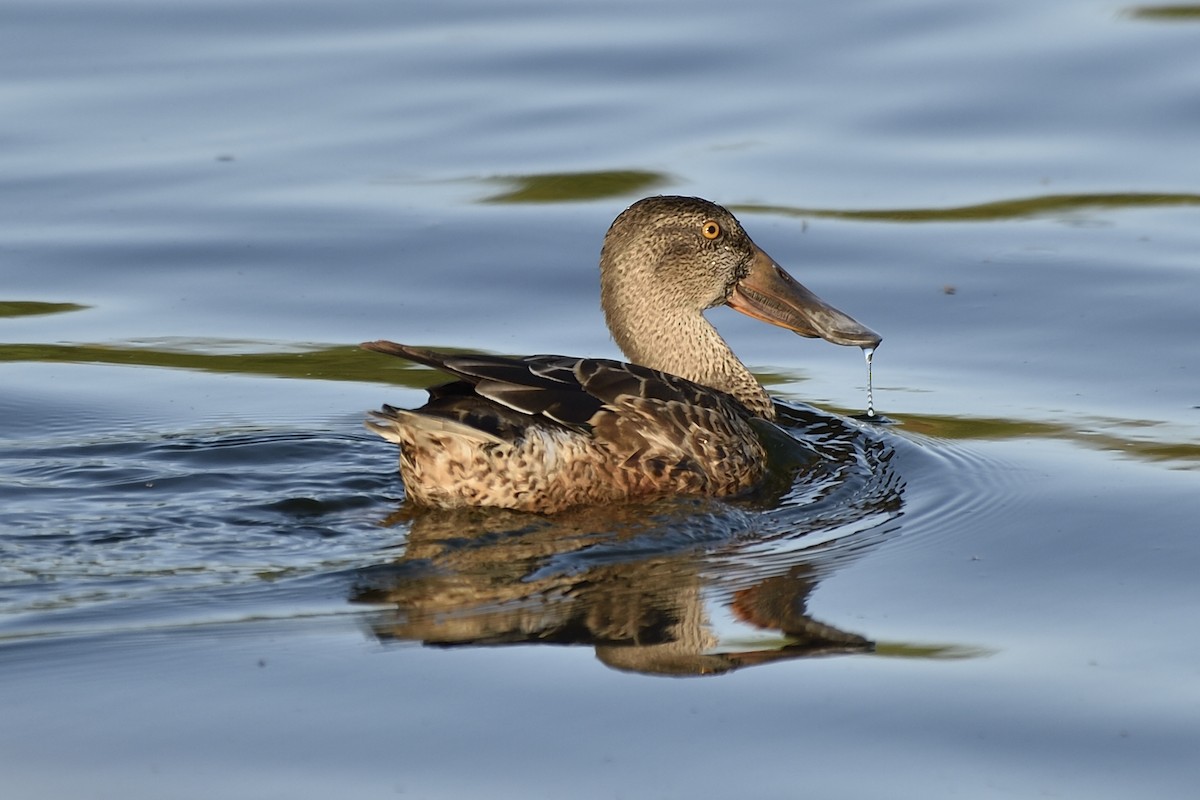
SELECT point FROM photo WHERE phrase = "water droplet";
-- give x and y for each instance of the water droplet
(869, 352)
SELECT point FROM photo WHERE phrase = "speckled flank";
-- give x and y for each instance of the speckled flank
(639, 449)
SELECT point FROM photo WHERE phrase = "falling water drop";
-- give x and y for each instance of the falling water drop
(869, 352)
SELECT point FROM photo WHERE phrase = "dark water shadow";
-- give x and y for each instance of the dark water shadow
(682, 586)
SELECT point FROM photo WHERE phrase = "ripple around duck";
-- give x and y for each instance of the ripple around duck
(852, 486)
(862, 485)
(844, 495)
(677, 586)
(128, 528)
(953, 489)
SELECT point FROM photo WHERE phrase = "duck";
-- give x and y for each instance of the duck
(682, 417)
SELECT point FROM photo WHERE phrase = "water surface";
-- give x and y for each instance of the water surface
(210, 584)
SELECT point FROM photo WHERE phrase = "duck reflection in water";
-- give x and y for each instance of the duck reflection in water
(678, 586)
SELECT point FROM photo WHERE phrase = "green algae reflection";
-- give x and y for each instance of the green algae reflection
(267, 359)
(1147, 441)
(30, 308)
(564, 187)
(1165, 13)
(1049, 205)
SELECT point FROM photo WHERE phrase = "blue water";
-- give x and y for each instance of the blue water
(209, 581)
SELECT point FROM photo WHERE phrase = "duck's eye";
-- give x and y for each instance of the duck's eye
(710, 229)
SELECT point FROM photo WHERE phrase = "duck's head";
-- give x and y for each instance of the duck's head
(666, 260)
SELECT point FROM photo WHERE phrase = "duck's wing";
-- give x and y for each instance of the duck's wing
(564, 390)
(524, 389)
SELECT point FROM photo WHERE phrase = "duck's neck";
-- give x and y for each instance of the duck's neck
(687, 345)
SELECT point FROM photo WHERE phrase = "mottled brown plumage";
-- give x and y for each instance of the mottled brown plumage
(544, 433)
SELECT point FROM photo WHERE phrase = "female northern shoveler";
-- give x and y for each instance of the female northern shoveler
(544, 433)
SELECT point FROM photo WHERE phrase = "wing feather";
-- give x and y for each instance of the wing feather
(548, 389)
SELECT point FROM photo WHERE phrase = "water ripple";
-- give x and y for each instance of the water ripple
(132, 522)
